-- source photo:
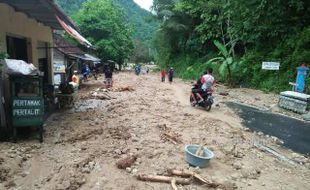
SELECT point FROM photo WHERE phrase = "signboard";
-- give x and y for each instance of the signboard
(59, 68)
(57, 79)
(24, 108)
(271, 66)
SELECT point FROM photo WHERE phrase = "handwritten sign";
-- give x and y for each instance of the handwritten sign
(271, 66)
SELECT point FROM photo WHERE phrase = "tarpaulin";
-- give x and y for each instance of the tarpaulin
(72, 32)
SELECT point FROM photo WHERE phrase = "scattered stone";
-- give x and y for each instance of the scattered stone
(235, 176)
(86, 170)
(128, 169)
(118, 151)
(135, 139)
(91, 165)
(224, 93)
(250, 173)
(238, 154)
(10, 184)
(237, 165)
(276, 140)
(24, 174)
(306, 117)
(260, 133)
(134, 171)
(126, 162)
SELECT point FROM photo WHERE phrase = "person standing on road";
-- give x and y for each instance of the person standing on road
(170, 75)
(108, 77)
(85, 72)
(75, 78)
(163, 75)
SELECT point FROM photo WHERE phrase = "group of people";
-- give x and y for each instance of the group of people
(138, 69)
(86, 72)
(170, 74)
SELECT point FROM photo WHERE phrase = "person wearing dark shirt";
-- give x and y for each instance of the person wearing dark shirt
(108, 77)
(170, 74)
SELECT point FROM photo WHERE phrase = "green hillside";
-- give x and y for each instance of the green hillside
(142, 21)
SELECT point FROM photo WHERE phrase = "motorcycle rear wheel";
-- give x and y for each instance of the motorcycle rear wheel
(208, 108)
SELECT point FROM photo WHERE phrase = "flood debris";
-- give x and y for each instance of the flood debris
(274, 153)
(189, 174)
(167, 134)
(101, 96)
(163, 179)
(122, 89)
(184, 177)
(224, 93)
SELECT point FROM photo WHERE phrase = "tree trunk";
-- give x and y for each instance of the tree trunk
(229, 34)
(222, 30)
(230, 80)
(120, 66)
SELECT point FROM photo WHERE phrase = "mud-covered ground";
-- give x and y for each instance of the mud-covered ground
(82, 145)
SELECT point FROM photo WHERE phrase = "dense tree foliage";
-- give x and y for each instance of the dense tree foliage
(142, 22)
(194, 31)
(103, 24)
(70, 6)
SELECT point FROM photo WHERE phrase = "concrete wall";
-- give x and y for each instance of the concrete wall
(18, 24)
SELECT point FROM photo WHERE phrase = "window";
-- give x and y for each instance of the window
(27, 88)
(17, 48)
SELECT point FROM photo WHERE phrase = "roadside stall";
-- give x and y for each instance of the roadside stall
(26, 102)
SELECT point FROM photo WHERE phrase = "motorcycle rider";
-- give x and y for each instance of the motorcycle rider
(207, 81)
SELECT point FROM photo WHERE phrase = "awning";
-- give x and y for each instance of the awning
(72, 32)
(86, 57)
(92, 58)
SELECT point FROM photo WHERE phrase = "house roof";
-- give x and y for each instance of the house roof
(65, 46)
(44, 11)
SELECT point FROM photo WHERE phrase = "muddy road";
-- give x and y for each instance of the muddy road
(82, 145)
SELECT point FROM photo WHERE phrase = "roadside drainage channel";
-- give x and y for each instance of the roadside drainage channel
(293, 132)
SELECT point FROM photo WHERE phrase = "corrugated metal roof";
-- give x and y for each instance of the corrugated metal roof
(64, 46)
(44, 11)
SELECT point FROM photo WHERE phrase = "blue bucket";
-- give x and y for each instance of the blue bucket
(194, 160)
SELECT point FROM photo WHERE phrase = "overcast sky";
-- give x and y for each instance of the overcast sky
(146, 4)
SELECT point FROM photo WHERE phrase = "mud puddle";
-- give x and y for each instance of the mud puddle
(293, 132)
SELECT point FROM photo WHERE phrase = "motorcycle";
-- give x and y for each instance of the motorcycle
(208, 99)
(137, 70)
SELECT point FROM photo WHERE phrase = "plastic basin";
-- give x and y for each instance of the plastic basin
(194, 160)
